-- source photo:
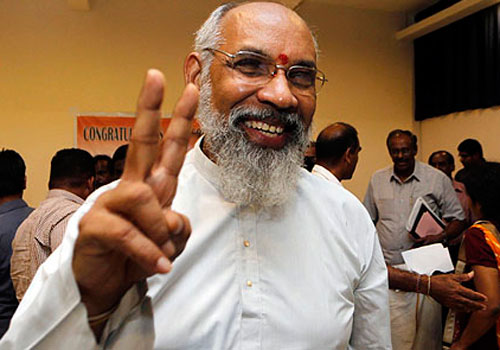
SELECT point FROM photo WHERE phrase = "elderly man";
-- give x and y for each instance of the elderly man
(337, 150)
(274, 260)
(415, 317)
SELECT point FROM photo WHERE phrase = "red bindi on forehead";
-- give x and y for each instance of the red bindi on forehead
(283, 58)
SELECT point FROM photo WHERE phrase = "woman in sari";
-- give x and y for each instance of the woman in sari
(482, 331)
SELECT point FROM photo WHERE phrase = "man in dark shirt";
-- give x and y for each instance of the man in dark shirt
(13, 211)
(470, 153)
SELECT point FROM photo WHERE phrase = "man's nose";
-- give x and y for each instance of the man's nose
(278, 92)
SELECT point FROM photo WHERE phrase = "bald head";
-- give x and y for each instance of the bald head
(337, 148)
(264, 14)
(334, 141)
(211, 33)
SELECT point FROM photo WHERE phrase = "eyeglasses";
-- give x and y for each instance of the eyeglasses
(257, 69)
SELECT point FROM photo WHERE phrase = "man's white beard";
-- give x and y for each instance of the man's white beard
(250, 174)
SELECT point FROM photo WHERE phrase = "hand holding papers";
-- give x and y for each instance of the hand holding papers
(423, 221)
(428, 259)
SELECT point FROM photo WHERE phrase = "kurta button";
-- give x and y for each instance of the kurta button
(249, 283)
(246, 243)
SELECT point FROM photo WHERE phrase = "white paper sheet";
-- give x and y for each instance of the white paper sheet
(428, 259)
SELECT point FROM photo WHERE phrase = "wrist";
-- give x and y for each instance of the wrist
(99, 303)
(423, 284)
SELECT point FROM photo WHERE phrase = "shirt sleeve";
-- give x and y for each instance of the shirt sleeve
(450, 205)
(478, 252)
(371, 321)
(57, 233)
(369, 203)
(20, 261)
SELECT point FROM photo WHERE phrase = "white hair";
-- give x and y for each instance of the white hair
(209, 36)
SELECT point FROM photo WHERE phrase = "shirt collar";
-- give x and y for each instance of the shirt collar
(12, 205)
(58, 193)
(323, 172)
(205, 166)
(417, 174)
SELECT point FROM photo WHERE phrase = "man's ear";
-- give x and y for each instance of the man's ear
(348, 155)
(91, 184)
(192, 69)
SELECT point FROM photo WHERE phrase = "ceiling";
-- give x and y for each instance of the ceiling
(405, 6)
(384, 5)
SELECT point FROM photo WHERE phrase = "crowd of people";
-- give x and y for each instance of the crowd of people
(415, 300)
(234, 245)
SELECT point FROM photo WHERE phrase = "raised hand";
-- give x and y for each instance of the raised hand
(130, 232)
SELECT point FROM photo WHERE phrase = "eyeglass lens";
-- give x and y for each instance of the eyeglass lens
(256, 69)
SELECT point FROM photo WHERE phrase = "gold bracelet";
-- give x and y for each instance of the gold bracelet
(102, 317)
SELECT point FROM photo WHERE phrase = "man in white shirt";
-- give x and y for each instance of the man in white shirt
(270, 264)
(337, 152)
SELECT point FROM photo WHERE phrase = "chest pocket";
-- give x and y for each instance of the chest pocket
(387, 208)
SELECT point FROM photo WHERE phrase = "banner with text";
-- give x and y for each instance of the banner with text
(104, 134)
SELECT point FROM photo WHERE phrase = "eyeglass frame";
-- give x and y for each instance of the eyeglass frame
(322, 78)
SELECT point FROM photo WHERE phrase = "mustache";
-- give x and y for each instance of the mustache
(292, 122)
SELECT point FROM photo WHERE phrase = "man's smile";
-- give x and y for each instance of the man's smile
(264, 127)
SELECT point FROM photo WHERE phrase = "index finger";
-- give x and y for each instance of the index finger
(472, 295)
(144, 143)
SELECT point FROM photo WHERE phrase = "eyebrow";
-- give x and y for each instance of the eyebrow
(305, 63)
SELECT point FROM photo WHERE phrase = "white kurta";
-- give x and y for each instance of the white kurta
(309, 276)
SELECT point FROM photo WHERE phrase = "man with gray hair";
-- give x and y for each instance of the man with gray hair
(274, 260)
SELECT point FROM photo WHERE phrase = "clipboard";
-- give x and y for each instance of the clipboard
(423, 221)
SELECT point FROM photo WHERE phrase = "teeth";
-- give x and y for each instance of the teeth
(262, 126)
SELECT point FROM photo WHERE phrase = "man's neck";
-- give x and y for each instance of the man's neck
(335, 170)
(403, 176)
(10, 198)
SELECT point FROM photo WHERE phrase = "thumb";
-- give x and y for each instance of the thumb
(464, 277)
